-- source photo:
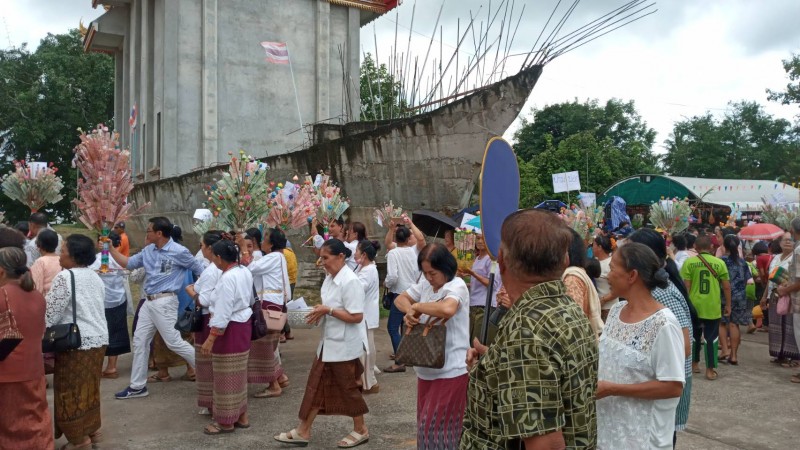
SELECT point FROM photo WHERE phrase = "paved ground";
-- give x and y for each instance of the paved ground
(752, 406)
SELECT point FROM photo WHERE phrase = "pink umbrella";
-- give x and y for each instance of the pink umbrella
(761, 232)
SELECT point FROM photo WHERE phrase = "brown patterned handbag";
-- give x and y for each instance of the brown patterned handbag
(10, 336)
(423, 345)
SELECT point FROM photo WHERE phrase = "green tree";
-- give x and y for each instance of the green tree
(792, 92)
(745, 143)
(44, 97)
(380, 93)
(617, 120)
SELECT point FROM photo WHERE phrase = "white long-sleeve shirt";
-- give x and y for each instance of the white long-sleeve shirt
(368, 276)
(271, 278)
(231, 299)
(206, 284)
(401, 269)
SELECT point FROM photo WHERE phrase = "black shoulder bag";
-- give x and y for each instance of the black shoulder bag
(63, 337)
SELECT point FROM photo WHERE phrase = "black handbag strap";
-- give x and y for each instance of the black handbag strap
(74, 307)
(708, 266)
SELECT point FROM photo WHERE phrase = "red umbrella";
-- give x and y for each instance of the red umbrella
(761, 232)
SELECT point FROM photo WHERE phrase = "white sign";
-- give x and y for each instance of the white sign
(588, 199)
(567, 181)
(202, 215)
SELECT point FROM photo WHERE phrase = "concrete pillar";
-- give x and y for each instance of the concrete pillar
(144, 127)
(134, 45)
(209, 113)
(353, 58)
(169, 111)
(323, 61)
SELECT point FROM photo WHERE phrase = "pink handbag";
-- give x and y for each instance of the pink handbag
(274, 316)
(784, 305)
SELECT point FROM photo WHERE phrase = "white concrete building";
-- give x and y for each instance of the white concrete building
(198, 77)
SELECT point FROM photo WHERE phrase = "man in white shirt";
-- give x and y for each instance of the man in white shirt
(36, 223)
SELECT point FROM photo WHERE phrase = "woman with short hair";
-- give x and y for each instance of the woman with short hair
(76, 380)
(441, 393)
(402, 271)
(642, 354)
(334, 381)
(228, 341)
(25, 421)
(47, 266)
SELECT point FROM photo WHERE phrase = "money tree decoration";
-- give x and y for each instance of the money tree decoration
(464, 241)
(585, 220)
(239, 199)
(383, 216)
(637, 221)
(670, 216)
(291, 206)
(780, 215)
(33, 184)
(331, 204)
(104, 184)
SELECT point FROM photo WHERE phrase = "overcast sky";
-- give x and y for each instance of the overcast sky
(688, 58)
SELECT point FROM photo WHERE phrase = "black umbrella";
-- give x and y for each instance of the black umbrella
(432, 223)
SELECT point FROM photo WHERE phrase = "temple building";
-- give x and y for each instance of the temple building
(194, 82)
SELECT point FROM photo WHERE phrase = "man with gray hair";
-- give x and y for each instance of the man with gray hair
(793, 287)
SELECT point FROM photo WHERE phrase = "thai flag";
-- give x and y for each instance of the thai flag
(277, 53)
(132, 119)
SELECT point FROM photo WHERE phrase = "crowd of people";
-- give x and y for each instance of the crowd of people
(595, 333)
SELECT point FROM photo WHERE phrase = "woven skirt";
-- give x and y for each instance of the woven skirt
(440, 412)
(229, 372)
(76, 393)
(334, 388)
(119, 342)
(263, 366)
(204, 380)
(26, 421)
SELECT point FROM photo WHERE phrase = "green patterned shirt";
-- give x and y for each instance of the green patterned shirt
(539, 376)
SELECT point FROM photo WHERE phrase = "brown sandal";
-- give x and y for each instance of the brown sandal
(157, 379)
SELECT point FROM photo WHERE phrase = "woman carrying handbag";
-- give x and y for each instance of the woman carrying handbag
(271, 280)
(25, 422)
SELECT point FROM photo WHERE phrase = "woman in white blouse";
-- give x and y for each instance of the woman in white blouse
(441, 393)
(402, 271)
(76, 381)
(228, 340)
(641, 369)
(271, 279)
(368, 276)
(334, 382)
(202, 291)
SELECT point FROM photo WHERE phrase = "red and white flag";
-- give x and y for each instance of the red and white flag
(277, 53)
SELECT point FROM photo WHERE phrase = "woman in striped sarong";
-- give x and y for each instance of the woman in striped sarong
(271, 279)
(782, 344)
(228, 341)
(201, 291)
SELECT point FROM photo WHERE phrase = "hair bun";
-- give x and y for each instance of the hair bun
(662, 277)
(19, 271)
(376, 245)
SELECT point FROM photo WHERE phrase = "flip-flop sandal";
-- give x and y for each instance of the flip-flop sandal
(712, 377)
(110, 375)
(158, 379)
(187, 377)
(292, 438)
(733, 363)
(218, 428)
(266, 393)
(397, 369)
(353, 439)
(243, 426)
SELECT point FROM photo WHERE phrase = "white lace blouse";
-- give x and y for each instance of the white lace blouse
(90, 301)
(632, 353)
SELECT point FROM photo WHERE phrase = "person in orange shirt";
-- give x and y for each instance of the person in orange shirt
(124, 245)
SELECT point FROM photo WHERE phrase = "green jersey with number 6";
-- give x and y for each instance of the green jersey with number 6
(705, 293)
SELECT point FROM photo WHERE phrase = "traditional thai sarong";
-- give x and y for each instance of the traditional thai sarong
(263, 366)
(30, 425)
(334, 388)
(76, 393)
(782, 343)
(163, 356)
(440, 412)
(229, 371)
(204, 379)
(119, 342)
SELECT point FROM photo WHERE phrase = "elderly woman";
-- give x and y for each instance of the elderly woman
(271, 279)
(368, 276)
(642, 354)
(116, 304)
(201, 292)
(76, 381)
(334, 382)
(441, 393)
(228, 341)
(782, 344)
(25, 422)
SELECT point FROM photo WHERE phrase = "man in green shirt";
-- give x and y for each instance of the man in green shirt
(534, 387)
(706, 277)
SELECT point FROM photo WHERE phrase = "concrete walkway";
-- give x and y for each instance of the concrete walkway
(752, 406)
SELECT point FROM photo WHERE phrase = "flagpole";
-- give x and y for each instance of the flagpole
(296, 99)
